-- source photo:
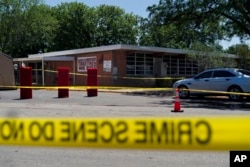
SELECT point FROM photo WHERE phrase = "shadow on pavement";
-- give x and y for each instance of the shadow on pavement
(216, 102)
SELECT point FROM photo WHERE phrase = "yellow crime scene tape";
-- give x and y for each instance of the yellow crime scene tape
(180, 133)
(103, 76)
(122, 88)
(89, 87)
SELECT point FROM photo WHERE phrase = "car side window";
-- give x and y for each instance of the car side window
(244, 72)
(223, 74)
(207, 74)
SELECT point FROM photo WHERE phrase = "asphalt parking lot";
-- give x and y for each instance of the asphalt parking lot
(109, 104)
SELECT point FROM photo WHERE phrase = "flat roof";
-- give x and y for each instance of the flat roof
(39, 59)
(109, 48)
(65, 55)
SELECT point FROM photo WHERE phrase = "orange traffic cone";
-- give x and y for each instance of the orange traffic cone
(177, 104)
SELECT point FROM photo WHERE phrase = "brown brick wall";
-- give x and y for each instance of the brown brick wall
(122, 79)
(50, 74)
(119, 60)
(104, 78)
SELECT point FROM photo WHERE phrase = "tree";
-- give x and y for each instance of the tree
(243, 51)
(173, 16)
(76, 26)
(39, 27)
(30, 26)
(160, 35)
(226, 17)
(10, 23)
(25, 26)
(209, 57)
(114, 26)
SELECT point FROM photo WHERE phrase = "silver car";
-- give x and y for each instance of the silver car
(232, 82)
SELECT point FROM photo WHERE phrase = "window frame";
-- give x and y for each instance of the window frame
(139, 64)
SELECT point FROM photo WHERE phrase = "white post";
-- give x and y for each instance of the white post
(43, 70)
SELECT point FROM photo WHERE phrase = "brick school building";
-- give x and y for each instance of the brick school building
(117, 65)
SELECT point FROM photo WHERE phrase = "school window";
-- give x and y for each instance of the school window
(179, 65)
(139, 64)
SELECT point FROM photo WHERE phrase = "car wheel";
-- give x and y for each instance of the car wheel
(183, 92)
(234, 93)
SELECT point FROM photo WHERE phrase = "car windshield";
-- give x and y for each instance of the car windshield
(244, 72)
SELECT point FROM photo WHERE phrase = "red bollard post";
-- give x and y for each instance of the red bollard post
(63, 80)
(25, 80)
(92, 81)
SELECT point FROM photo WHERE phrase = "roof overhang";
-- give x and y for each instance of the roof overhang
(110, 48)
(67, 55)
(39, 59)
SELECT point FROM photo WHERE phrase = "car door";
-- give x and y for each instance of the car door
(221, 80)
(201, 83)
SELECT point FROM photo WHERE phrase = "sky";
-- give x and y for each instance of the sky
(137, 7)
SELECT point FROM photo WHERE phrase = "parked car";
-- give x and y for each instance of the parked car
(232, 82)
